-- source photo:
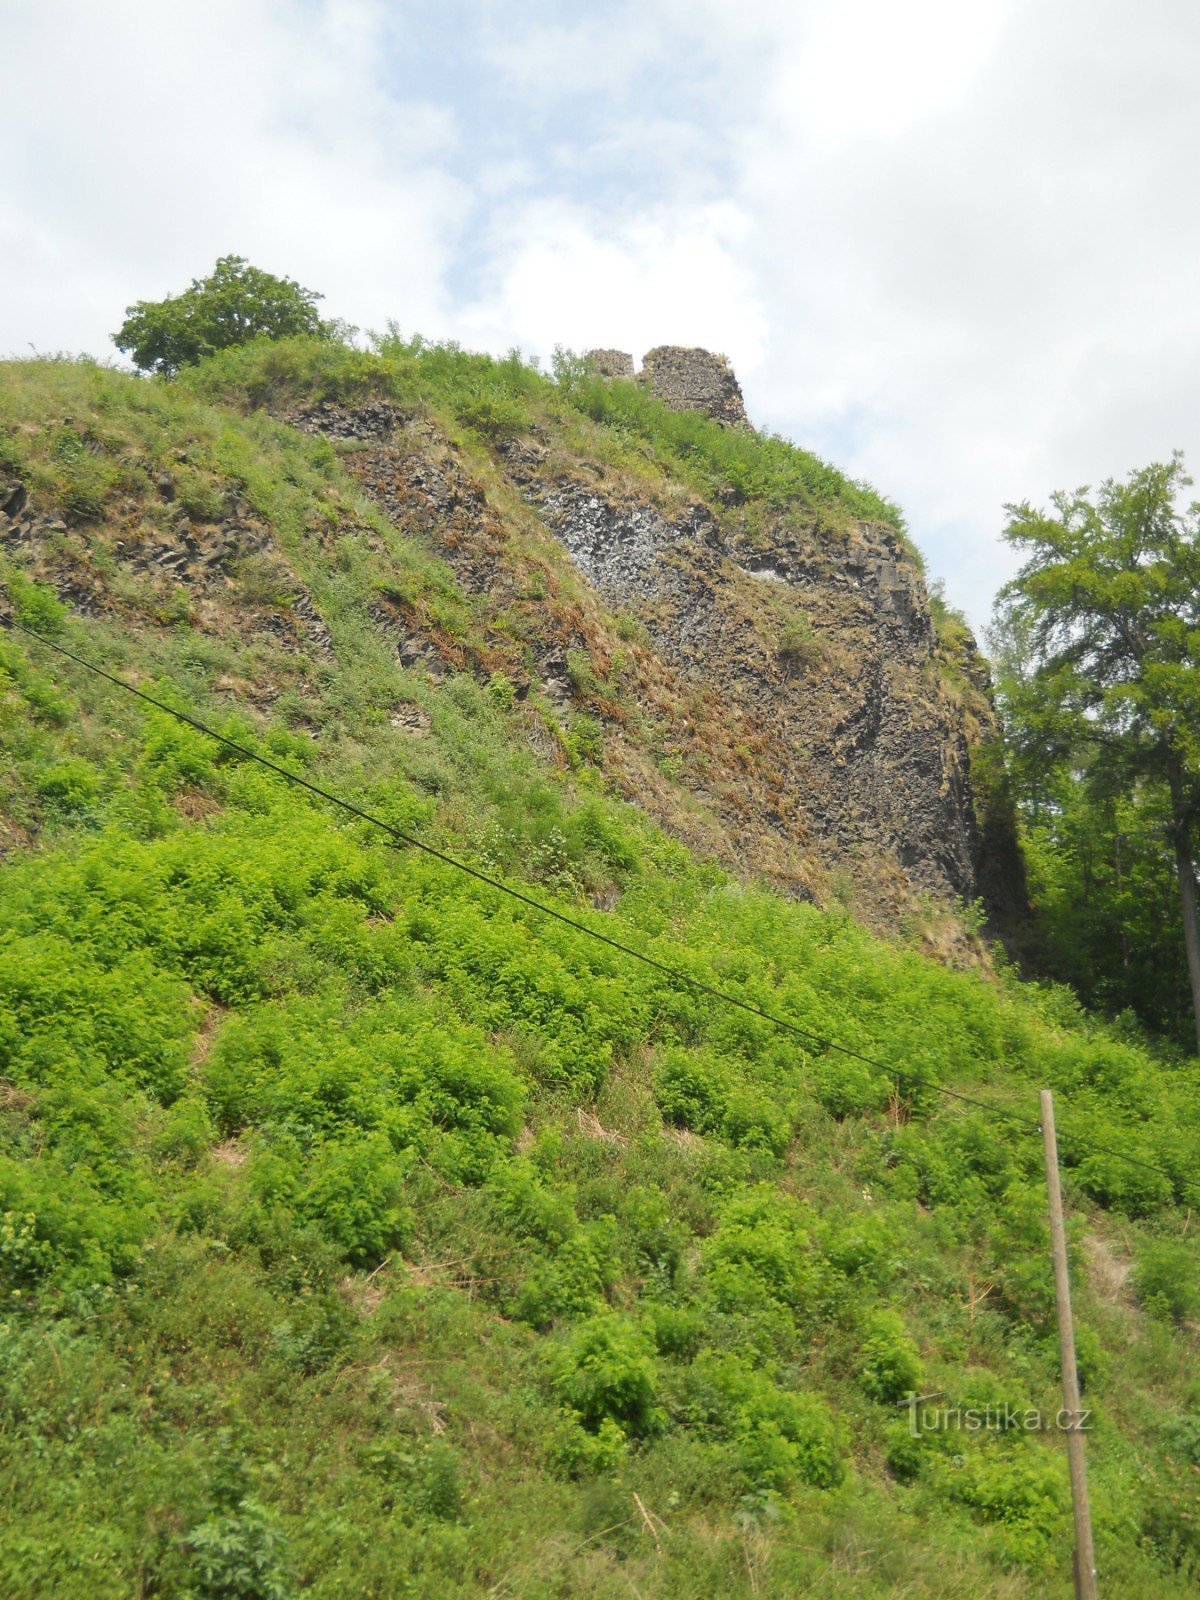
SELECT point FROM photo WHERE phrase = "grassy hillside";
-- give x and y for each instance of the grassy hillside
(367, 1234)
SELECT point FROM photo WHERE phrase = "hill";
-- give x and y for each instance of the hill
(367, 1231)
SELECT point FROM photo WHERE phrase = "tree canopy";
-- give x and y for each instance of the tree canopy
(233, 305)
(1099, 640)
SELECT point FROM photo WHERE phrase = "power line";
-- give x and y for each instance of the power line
(498, 884)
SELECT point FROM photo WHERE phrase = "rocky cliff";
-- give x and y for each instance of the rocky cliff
(764, 677)
(777, 695)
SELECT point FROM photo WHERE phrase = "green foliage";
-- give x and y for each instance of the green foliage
(1170, 1519)
(1097, 641)
(234, 305)
(69, 786)
(797, 642)
(238, 1551)
(777, 1437)
(237, 1555)
(1023, 1491)
(467, 1229)
(1167, 1279)
(36, 606)
(891, 1366)
(759, 1254)
(606, 1374)
(354, 1189)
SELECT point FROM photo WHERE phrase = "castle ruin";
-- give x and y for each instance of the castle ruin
(684, 378)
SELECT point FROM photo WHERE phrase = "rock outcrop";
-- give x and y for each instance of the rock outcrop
(791, 677)
(861, 750)
(771, 688)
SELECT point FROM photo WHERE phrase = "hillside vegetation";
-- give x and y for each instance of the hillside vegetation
(367, 1233)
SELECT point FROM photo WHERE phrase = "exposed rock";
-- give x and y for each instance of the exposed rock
(412, 718)
(372, 420)
(13, 498)
(848, 738)
(867, 754)
(205, 560)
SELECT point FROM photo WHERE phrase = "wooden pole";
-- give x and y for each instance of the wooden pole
(1085, 1559)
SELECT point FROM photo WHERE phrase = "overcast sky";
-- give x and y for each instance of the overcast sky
(953, 245)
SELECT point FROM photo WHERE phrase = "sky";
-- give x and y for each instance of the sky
(952, 247)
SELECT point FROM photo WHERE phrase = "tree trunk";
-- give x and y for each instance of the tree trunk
(1181, 829)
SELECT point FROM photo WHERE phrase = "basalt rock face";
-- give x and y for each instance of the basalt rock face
(789, 685)
(867, 754)
(226, 572)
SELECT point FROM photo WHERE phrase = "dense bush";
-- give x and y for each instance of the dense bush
(1167, 1278)
(606, 1374)
(467, 1229)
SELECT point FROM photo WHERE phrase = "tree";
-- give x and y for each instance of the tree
(1101, 628)
(234, 304)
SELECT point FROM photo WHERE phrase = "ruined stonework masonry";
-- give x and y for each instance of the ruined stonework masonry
(682, 378)
(694, 380)
(611, 363)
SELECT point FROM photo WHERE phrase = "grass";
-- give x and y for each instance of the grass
(365, 1233)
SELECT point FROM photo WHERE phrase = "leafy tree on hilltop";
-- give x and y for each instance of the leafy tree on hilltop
(233, 305)
(1101, 633)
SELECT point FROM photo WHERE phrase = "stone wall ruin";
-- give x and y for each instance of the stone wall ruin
(685, 378)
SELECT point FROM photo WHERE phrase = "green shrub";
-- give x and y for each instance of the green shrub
(679, 1331)
(797, 646)
(500, 691)
(760, 1254)
(577, 1452)
(238, 1555)
(237, 1552)
(354, 1190)
(574, 1282)
(1021, 1488)
(496, 416)
(24, 1256)
(37, 606)
(776, 1437)
(63, 1231)
(691, 1091)
(652, 1236)
(787, 1439)
(1169, 1516)
(606, 1374)
(186, 1132)
(1167, 1279)
(750, 1121)
(69, 786)
(1183, 1437)
(890, 1365)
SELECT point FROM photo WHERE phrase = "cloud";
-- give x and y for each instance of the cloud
(563, 275)
(982, 294)
(949, 246)
(143, 140)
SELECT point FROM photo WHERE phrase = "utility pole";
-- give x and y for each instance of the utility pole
(1085, 1558)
